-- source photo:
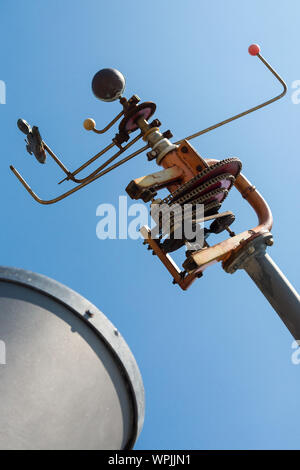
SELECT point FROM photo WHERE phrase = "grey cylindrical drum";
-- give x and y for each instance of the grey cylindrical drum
(67, 378)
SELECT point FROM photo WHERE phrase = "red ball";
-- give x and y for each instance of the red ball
(254, 49)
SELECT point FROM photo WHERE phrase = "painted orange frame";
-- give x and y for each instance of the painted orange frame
(224, 250)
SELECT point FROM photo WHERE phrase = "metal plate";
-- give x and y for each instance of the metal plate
(70, 380)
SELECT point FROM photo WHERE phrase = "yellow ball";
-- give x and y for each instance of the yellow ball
(89, 124)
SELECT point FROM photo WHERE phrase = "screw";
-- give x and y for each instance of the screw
(134, 99)
(155, 123)
(231, 233)
(168, 134)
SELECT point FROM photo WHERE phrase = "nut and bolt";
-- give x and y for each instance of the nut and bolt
(155, 123)
(151, 155)
(89, 313)
(168, 134)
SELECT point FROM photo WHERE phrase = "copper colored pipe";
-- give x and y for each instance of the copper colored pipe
(255, 199)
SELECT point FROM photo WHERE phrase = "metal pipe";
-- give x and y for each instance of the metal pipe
(276, 288)
(248, 111)
(71, 191)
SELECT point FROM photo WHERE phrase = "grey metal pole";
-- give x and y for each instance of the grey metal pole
(276, 288)
(269, 279)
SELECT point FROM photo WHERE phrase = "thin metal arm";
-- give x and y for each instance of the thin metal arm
(68, 193)
(110, 160)
(55, 158)
(251, 110)
(102, 131)
(71, 174)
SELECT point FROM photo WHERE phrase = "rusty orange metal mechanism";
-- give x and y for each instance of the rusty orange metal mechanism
(199, 260)
(189, 178)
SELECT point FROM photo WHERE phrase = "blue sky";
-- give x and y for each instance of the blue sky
(215, 360)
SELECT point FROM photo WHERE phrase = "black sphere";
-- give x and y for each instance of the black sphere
(108, 84)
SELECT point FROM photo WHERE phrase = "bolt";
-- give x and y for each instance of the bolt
(134, 99)
(151, 155)
(116, 332)
(168, 134)
(89, 313)
(231, 233)
(184, 149)
(155, 123)
(269, 241)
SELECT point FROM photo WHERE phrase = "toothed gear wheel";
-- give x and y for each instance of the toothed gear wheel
(210, 187)
(230, 166)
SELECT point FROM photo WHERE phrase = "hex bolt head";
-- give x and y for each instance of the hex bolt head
(89, 313)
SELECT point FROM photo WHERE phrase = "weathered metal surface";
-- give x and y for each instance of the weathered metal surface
(269, 279)
(70, 380)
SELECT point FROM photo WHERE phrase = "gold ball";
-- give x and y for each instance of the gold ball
(89, 124)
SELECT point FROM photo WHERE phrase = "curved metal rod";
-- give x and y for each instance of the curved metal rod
(251, 110)
(110, 160)
(254, 198)
(68, 193)
(55, 158)
(70, 174)
(61, 165)
(225, 251)
(101, 131)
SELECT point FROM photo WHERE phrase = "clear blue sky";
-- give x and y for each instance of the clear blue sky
(216, 360)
